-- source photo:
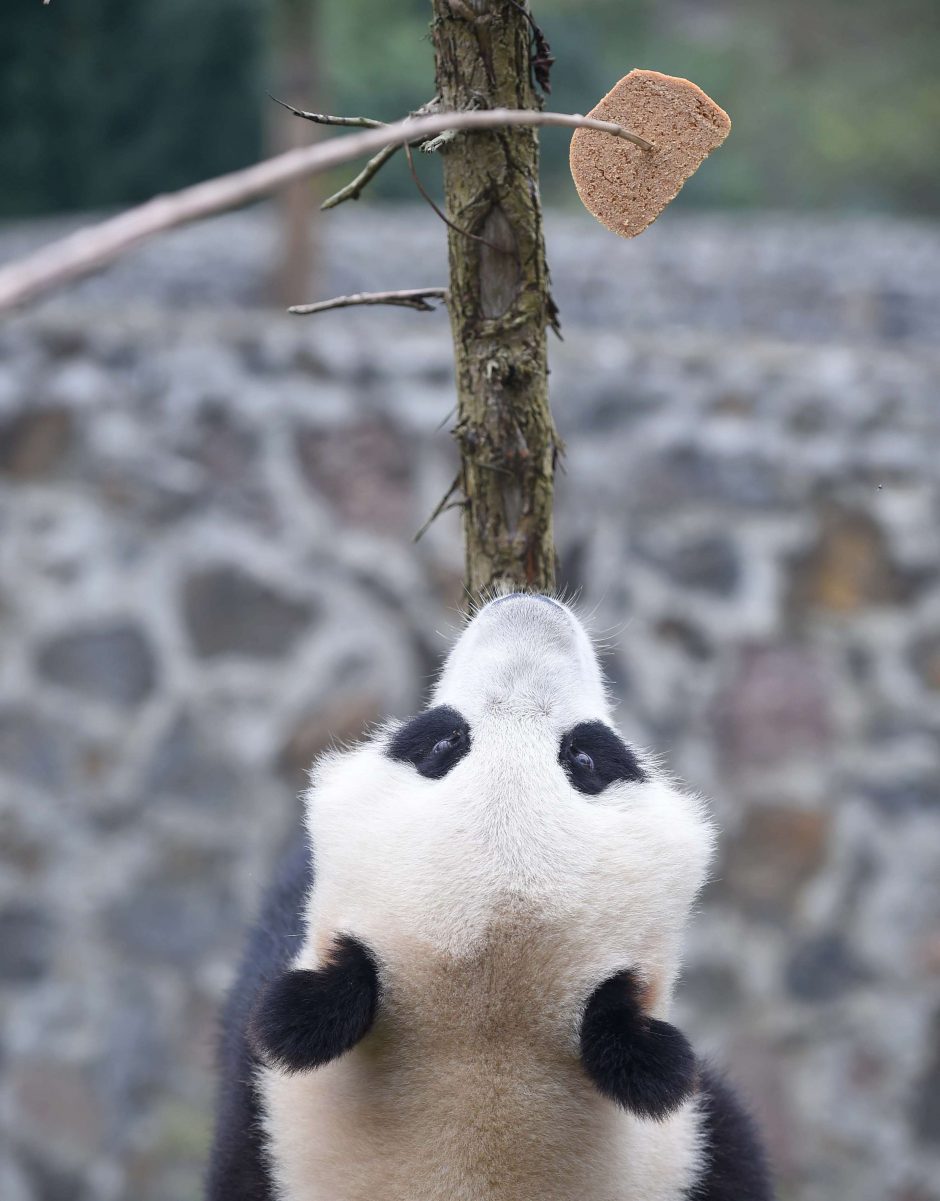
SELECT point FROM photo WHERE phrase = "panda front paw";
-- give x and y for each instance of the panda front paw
(645, 1065)
(304, 1019)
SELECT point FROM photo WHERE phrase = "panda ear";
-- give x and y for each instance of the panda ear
(645, 1065)
(304, 1019)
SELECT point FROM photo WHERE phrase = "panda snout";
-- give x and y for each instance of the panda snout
(528, 650)
(528, 617)
(531, 596)
(527, 610)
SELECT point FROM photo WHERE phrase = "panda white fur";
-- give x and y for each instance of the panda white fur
(466, 997)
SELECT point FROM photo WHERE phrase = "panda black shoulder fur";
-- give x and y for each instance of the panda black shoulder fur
(469, 998)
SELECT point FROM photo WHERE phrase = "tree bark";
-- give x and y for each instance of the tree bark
(297, 65)
(500, 302)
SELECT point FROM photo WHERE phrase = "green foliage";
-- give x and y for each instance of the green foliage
(380, 62)
(834, 103)
(107, 101)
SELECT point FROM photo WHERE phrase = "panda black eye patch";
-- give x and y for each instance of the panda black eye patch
(593, 757)
(433, 742)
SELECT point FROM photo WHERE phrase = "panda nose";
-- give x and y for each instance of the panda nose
(536, 596)
(523, 653)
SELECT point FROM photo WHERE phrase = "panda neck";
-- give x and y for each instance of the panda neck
(470, 1087)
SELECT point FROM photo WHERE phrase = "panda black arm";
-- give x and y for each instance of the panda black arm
(645, 1065)
(306, 1018)
(238, 1168)
(735, 1164)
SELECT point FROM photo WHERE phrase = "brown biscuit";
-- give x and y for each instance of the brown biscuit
(625, 187)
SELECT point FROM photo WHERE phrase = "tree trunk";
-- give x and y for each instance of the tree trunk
(500, 303)
(297, 64)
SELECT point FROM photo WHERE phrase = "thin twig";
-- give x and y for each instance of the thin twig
(89, 248)
(439, 508)
(432, 145)
(541, 59)
(410, 298)
(439, 211)
(326, 118)
(353, 189)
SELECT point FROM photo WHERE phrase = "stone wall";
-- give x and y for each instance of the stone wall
(207, 573)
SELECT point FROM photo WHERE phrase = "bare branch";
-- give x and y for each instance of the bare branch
(541, 59)
(435, 207)
(99, 244)
(326, 119)
(409, 298)
(353, 189)
(441, 507)
(432, 145)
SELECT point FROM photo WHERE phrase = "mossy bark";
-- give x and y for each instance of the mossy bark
(500, 302)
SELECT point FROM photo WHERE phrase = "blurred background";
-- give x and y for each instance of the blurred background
(207, 564)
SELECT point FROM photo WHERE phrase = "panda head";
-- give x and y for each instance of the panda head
(513, 791)
(511, 813)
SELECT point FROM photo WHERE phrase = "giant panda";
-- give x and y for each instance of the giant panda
(459, 989)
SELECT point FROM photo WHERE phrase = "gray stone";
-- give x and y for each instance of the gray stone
(690, 408)
(925, 659)
(810, 418)
(14, 1185)
(850, 567)
(909, 794)
(229, 612)
(364, 470)
(692, 640)
(33, 443)
(773, 708)
(26, 944)
(56, 1103)
(31, 748)
(222, 446)
(179, 915)
(607, 408)
(897, 314)
(823, 969)
(791, 278)
(571, 567)
(113, 663)
(687, 474)
(710, 564)
(139, 1058)
(711, 989)
(771, 856)
(24, 847)
(53, 1182)
(183, 765)
(64, 341)
(342, 720)
(925, 1106)
(265, 354)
